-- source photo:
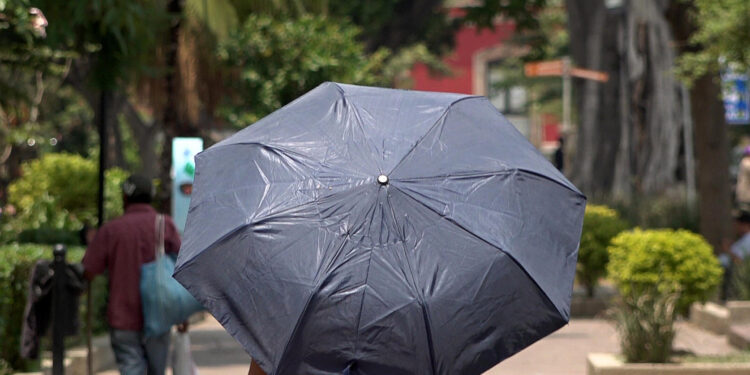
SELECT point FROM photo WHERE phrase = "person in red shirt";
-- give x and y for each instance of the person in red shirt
(120, 247)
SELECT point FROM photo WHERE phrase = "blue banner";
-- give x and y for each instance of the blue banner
(736, 98)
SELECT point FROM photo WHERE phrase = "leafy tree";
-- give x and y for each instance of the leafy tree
(722, 34)
(276, 61)
(117, 38)
(26, 67)
(395, 24)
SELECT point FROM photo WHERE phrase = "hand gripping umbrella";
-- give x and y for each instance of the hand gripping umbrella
(381, 232)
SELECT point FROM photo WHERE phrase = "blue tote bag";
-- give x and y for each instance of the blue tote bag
(164, 301)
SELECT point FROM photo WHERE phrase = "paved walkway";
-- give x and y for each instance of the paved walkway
(562, 353)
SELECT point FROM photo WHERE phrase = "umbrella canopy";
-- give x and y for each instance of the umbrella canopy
(381, 231)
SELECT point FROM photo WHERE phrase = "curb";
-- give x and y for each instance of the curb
(103, 356)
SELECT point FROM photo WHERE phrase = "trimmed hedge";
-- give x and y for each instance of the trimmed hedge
(664, 260)
(16, 264)
(600, 225)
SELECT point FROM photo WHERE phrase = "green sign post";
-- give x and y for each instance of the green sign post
(183, 172)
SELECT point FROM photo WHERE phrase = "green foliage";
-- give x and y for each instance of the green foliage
(523, 13)
(49, 236)
(218, 16)
(99, 292)
(740, 280)
(600, 225)
(5, 368)
(19, 38)
(277, 61)
(122, 35)
(646, 325)
(395, 24)
(16, 264)
(546, 38)
(397, 69)
(723, 29)
(280, 8)
(24, 64)
(60, 191)
(666, 261)
(669, 210)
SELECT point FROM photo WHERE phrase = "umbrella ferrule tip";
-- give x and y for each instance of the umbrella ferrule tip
(383, 179)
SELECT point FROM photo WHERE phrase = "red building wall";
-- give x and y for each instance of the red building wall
(467, 43)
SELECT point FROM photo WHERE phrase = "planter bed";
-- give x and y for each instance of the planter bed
(612, 364)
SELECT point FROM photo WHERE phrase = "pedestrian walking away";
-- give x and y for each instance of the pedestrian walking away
(742, 190)
(120, 247)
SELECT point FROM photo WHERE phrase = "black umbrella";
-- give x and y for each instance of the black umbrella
(381, 232)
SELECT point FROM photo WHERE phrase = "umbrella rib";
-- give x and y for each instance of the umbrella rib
(469, 175)
(292, 153)
(429, 131)
(180, 265)
(370, 213)
(420, 297)
(318, 287)
(474, 235)
(360, 123)
(296, 328)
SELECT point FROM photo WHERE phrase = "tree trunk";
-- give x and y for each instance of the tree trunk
(146, 137)
(631, 122)
(710, 137)
(115, 154)
(712, 154)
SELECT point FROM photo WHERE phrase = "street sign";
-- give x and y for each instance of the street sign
(544, 68)
(736, 98)
(589, 74)
(557, 68)
(562, 68)
(183, 171)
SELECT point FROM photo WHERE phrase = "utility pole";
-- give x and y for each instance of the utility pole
(58, 292)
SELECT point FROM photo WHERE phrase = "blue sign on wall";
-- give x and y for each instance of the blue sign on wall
(736, 98)
(183, 172)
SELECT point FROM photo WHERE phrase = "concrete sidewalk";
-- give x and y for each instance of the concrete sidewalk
(562, 353)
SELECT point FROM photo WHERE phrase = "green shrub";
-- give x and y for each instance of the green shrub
(666, 260)
(16, 264)
(645, 323)
(60, 191)
(600, 225)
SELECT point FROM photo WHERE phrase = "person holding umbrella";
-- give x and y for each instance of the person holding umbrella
(372, 231)
(255, 369)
